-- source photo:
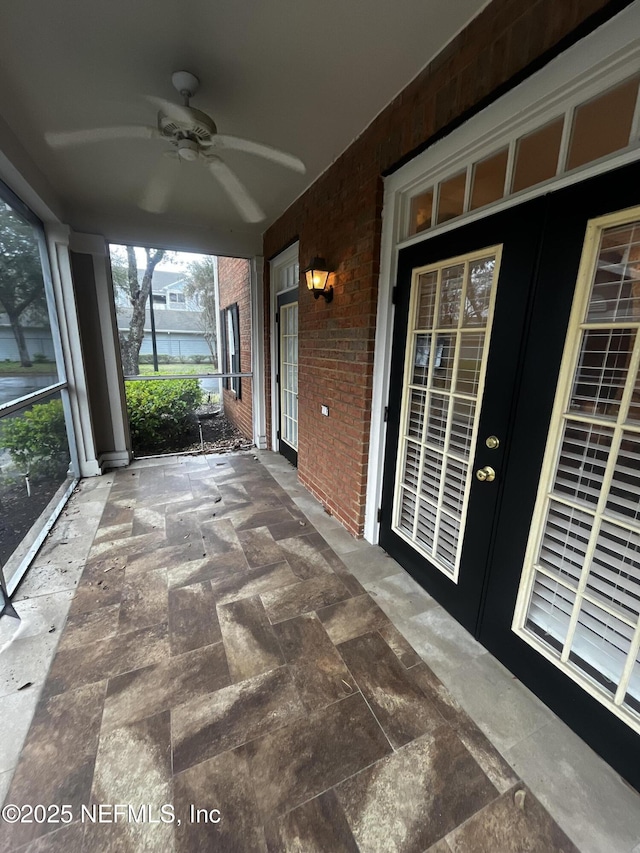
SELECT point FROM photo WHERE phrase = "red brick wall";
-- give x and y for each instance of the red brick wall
(339, 218)
(234, 286)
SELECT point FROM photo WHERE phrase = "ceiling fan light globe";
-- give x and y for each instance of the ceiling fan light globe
(188, 150)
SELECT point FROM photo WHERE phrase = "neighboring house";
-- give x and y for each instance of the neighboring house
(178, 320)
(37, 338)
(179, 332)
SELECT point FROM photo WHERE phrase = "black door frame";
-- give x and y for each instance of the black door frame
(543, 330)
(285, 449)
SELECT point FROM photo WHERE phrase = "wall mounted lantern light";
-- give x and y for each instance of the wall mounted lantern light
(317, 275)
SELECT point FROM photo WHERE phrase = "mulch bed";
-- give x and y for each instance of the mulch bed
(219, 435)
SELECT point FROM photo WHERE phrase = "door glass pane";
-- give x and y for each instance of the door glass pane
(444, 367)
(289, 373)
(588, 546)
(537, 156)
(451, 197)
(421, 212)
(488, 179)
(603, 125)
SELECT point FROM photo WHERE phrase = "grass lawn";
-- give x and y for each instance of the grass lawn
(168, 369)
(14, 368)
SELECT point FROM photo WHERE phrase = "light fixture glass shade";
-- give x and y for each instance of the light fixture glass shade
(317, 274)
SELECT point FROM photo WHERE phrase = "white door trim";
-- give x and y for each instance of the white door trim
(606, 56)
(278, 265)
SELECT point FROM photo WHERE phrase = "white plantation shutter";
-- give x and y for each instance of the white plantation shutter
(448, 333)
(581, 587)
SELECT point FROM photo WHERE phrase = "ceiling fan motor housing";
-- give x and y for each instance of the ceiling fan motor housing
(200, 127)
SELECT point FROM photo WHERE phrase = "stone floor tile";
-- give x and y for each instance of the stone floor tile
(91, 662)
(411, 799)
(144, 692)
(67, 839)
(5, 780)
(260, 547)
(223, 785)
(245, 584)
(478, 744)
(144, 831)
(397, 701)
(193, 620)
(39, 615)
(500, 704)
(303, 597)
(317, 826)
(84, 628)
(400, 596)
(299, 761)
(440, 641)
(165, 556)
(231, 716)
(133, 760)
(16, 711)
(318, 670)
(511, 824)
(304, 557)
(351, 618)
(594, 806)
(289, 529)
(25, 663)
(145, 600)
(206, 568)
(57, 762)
(370, 565)
(50, 575)
(249, 641)
(401, 648)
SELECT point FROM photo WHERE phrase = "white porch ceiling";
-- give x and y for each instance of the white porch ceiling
(300, 75)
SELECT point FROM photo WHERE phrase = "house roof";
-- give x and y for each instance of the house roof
(166, 320)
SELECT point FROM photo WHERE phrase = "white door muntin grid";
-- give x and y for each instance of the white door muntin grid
(445, 365)
(289, 374)
(579, 598)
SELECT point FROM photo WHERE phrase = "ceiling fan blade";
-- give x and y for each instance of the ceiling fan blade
(266, 151)
(175, 111)
(69, 138)
(246, 206)
(155, 198)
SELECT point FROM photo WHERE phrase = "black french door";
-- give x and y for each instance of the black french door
(541, 248)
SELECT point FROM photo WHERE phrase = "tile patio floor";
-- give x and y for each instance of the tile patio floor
(221, 652)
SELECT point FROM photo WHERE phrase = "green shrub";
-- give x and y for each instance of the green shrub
(37, 440)
(161, 411)
(41, 358)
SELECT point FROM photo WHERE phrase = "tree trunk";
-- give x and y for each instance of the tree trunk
(18, 334)
(131, 342)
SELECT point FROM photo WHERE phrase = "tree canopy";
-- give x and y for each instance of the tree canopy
(22, 294)
(201, 288)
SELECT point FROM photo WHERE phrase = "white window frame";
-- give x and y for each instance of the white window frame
(596, 63)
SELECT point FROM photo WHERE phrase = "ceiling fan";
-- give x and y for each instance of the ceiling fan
(193, 137)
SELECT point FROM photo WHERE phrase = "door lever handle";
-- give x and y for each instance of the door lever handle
(486, 474)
